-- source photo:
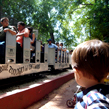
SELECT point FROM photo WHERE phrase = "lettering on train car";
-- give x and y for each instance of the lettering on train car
(37, 54)
(16, 71)
(3, 67)
(30, 66)
(10, 51)
(26, 68)
(26, 53)
(37, 66)
(34, 66)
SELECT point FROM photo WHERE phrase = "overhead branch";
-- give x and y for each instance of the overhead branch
(77, 8)
(86, 4)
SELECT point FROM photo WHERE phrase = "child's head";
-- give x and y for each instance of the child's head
(4, 21)
(92, 59)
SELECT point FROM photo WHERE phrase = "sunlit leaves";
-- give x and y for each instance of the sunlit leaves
(70, 21)
(91, 15)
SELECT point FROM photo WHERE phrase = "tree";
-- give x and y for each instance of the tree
(48, 14)
(91, 15)
(44, 15)
(67, 21)
(17, 9)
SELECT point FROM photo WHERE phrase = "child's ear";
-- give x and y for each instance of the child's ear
(78, 73)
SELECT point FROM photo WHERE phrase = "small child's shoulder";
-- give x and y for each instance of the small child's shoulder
(97, 92)
(101, 89)
(95, 97)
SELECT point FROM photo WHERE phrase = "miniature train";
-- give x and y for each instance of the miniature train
(43, 61)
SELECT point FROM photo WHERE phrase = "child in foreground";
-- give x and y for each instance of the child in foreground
(90, 63)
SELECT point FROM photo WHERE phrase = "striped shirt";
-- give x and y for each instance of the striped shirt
(95, 97)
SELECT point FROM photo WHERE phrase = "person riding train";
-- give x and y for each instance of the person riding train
(51, 45)
(3, 29)
(22, 32)
(32, 36)
(32, 41)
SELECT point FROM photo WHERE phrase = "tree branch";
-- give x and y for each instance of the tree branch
(86, 4)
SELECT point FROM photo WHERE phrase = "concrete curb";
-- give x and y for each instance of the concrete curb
(23, 98)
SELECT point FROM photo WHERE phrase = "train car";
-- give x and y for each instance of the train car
(39, 63)
(58, 60)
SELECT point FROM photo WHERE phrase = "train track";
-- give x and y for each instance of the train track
(10, 84)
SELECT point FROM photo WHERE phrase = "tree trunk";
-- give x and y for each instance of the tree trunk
(52, 37)
(0, 14)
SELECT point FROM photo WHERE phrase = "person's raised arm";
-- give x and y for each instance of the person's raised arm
(11, 31)
(24, 33)
(33, 38)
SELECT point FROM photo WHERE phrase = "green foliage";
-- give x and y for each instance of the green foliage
(100, 19)
(17, 9)
(76, 20)
(93, 17)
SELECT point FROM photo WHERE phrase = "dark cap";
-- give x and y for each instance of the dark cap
(49, 40)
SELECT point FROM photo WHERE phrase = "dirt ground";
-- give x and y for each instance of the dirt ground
(57, 99)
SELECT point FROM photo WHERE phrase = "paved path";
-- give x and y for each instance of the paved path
(57, 99)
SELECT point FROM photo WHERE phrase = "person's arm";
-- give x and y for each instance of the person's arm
(62, 49)
(33, 38)
(24, 33)
(11, 31)
(55, 46)
(20, 34)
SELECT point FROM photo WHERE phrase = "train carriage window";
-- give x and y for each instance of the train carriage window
(23, 53)
(42, 54)
(56, 55)
(2, 54)
(67, 57)
(32, 54)
(19, 53)
(60, 56)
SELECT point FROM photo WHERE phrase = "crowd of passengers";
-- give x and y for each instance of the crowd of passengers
(58, 47)
(20, 32)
